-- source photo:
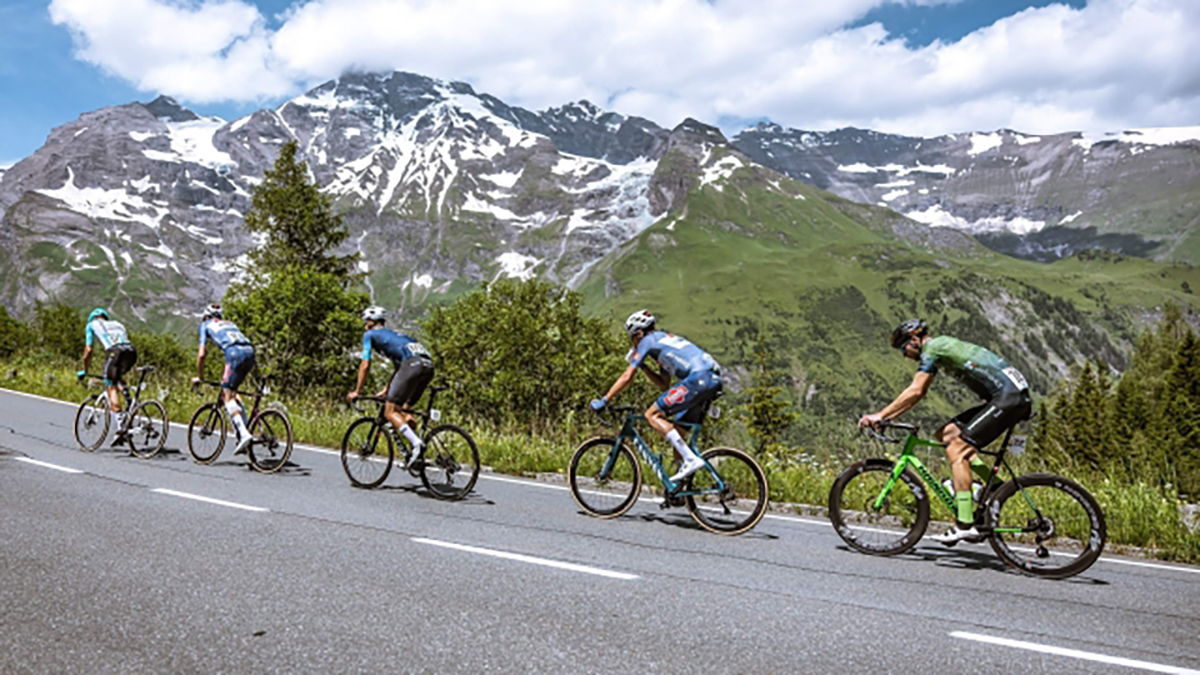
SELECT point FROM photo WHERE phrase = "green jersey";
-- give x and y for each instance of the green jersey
(984, 372)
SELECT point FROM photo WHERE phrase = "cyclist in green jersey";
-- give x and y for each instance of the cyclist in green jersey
(1006, 402)
(120, 356)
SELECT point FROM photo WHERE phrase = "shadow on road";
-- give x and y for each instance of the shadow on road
(472, 499)
(686, 522)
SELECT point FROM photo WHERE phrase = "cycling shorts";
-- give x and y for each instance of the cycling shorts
(984, 423)
(688, 399)
(239, 361)
(119, 359)
(409, 381)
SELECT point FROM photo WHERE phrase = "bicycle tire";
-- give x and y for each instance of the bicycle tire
(1078, 541)
(905, 513)
(744, 480)
(449, 449)
(625, 478)
(359, 459)
(148, 429)
(91, 416)
(271, 446)
(207, 432)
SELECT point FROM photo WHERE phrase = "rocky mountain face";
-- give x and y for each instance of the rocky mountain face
(1037, 197)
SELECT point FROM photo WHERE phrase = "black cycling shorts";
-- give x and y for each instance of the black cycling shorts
(984, 423)
(119, 359)
(409, 381)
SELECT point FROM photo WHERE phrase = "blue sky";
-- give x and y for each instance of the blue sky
(913, 66)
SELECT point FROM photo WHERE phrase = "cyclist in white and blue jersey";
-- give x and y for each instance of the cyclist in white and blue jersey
(120, 357)
(413, 373)
(239, 361)
(698, 374)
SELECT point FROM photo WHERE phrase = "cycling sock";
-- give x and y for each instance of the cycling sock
(235, 414)
(681, 445)
(411, 435)
(982, 471)
(965, 506)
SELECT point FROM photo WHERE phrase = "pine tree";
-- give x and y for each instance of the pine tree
(767, 415)
(1179, 421)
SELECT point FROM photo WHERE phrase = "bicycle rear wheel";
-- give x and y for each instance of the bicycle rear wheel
(738, 504)
(272, 441)
(1060, 529)
(890, 529)
(91, 422)
(365, 459)
(604, 482)
(206, 434)
(451, 463)
(148, 429)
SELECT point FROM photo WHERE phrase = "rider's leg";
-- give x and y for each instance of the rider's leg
(114, 406)
(403, 423)
(959, 453)
(691, 463)
(237, 413)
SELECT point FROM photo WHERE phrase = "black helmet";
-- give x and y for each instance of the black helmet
(909, 328)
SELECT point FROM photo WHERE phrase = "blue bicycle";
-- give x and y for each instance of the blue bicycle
(727, 496)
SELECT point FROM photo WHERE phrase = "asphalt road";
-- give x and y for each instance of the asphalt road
(115, 565)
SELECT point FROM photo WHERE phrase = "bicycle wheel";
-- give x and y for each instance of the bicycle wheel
(367, 453)
(91, 422)
(1060, 529)
(604, 482)
(451, 463)
(272, 444)
(206, 434)
(894, 527)
(736, 502)
(148, 429)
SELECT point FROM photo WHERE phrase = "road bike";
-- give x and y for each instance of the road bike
(449, 465)
(1042, 524)
(270, 431)
(727, 496)
(145, 426)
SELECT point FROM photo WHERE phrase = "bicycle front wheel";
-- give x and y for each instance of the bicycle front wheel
(272, 441)
(1046, 526)
(206, 434)
(148, 429)
(605, 478)
(875, 523)
(367, 453)
(91, 422)
(451, 463)
(731, 497)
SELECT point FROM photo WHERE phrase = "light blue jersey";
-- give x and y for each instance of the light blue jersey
(222, 332)
(109, 333)
(676, 355)
(396, 346)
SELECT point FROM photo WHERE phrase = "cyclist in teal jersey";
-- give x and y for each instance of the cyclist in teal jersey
(239, 361)
(120, 357)
(1006, 402)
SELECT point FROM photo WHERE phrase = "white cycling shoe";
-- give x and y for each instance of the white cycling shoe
(956, 534)
(243, 443)
(688, 468)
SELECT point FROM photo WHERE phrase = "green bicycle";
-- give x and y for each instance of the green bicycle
(1043, 525)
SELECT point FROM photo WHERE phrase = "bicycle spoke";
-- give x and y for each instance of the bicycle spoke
(451, 463)
(272, 444)
(1048, 527)
(887, 526)
(603, 484)
(367, 453)
(730, 495)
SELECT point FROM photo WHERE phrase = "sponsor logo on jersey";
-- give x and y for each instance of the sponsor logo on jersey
(676, 395)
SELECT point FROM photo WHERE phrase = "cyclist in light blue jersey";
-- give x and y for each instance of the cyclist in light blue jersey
(699, 383)
(239, 361)
(414, 371)
(120, 357)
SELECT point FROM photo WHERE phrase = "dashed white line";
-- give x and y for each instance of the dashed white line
(1075, 654)
(209, 500)
(48, 465)
(528, 559)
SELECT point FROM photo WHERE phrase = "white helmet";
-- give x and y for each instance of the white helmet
(213, 310)
(375, 313)
(642, 320)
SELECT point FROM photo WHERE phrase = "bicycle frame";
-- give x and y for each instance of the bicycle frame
(131, 401)
(629, 431)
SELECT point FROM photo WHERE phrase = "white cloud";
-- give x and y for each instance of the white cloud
(1110, 65)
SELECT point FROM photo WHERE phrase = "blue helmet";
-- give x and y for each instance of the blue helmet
(98, 312)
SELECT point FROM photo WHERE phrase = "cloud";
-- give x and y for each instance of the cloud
(1110, 65)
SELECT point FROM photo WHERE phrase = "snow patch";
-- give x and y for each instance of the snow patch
(894, 194)
(352, 132)
(936, 216)
(720, 170)
(516, 266)
(1022, 139)
(896, 184)
(504, 180)
(1070, 218)
(109, 204)
(981, 143)
(141, 136)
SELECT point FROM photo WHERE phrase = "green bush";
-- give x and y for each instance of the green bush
(164, 352)
(59, 329)
(14, 335)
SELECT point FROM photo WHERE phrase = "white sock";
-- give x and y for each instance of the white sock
(411, 436)
(681, 445)
(117, 419)
(235, 414)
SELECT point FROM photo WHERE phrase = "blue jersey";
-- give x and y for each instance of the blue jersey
(109, 333)
(676, 355)
(222, 332)
(395, 346)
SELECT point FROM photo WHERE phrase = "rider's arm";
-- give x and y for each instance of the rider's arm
(660, 379)
(200, 362)
(362, 376)
(87, 357)
(909, 397)
(622, 382)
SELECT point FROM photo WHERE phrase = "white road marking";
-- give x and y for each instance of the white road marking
(1076, 654)
(528, 559)
(48, 465)
(210, 500)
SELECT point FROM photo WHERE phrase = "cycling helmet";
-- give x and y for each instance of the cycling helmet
(98, 312)
(212, 311)
(909, 328)
(642, 320)
(375, 313)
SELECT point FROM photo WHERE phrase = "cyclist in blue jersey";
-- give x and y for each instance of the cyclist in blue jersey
(239, 361)
(120, 357)
(699, 383)
(413, 372)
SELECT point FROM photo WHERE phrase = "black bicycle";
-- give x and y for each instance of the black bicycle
(450, 463)
(145, 426)
(270, 431)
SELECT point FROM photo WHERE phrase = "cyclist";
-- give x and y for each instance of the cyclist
(413, 372)
(699, 383)
(120, 357)
(1006, 402)
(239, 361)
